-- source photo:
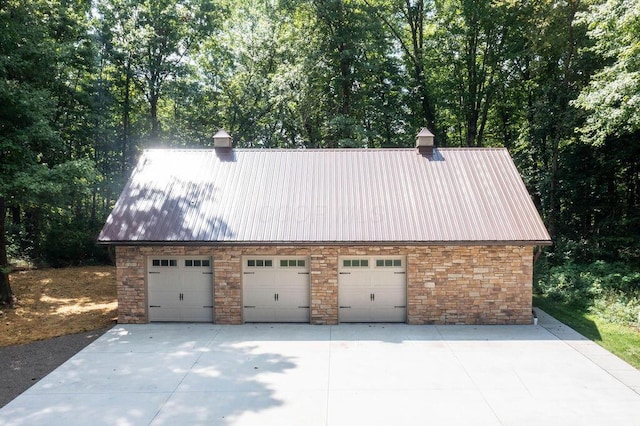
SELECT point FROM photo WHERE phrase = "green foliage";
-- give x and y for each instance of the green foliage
(618, 307)
(26, 103)
(52, 200)
(59, 186)
(612, 98)
(471, 43)
(150, 42)
(610, 290)
(72, 241)
(568, 284)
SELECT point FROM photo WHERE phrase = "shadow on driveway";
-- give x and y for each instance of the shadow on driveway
(332, 375)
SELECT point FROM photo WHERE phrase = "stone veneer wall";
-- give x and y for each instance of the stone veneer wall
(445, 284)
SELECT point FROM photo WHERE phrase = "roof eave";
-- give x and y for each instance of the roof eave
(331, 243)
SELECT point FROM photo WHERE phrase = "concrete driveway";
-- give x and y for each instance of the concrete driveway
(359, 374)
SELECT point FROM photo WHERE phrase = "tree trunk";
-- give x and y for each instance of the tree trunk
(155, 124)
(6, 296)
(126, 120)
(345, 82)
(416, 19)
(560, 129)
(554, 204)
(16, 215)
(33, 231)
(94, 206)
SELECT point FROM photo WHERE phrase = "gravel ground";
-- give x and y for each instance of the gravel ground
(24, 365)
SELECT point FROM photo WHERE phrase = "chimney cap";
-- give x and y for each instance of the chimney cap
(425, 142)
(222, 139)
(425, 137)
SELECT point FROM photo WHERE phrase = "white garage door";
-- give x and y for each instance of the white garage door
(275, 289)
(372, 289)
(180, 289)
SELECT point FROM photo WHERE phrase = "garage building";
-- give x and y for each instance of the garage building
(425, 236)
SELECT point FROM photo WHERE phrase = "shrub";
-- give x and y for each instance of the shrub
(568, 284)
(617, 307)
(610, 290)
(72, 244)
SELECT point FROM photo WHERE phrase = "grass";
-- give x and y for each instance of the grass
(621, 340)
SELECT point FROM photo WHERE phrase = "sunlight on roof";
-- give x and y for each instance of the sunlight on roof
(165, 166)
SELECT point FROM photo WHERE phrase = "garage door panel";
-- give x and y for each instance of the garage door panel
(259, 314)
(354, 290)
(163, 280)
(191, 299)
(197, 314)
(292, 304)
(356, 279)
(264, 279)
(260, 297)
(351, 296)
(372, 289)
(355, 314)
(197, 281)
(355, 306)
(180, 289)
(389, 295)
(275, 289)
(294, 296)
(385, 276)
(290, 278)
(292, 314)
(164, 313)
(164, 298)
(388, 313)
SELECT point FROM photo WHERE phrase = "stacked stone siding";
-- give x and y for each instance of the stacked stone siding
(488, 284)
(469, 285)
(324, 286)
(131, 286)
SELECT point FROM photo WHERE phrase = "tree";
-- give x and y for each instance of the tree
(472, 35)
(339, 24)
(352, 80)
(45, 64)
(26, 107)
(554, 71)
(407, 20)
(611, 102)
(255, 71)
(151, 41)
(612, 98)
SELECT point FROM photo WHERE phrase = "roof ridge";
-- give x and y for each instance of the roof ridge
(212, 149)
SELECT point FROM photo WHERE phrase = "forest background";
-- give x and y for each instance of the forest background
(86, 85)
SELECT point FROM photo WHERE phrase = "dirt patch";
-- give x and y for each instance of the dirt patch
(57, 302)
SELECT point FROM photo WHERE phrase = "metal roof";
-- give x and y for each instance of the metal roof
(458, 195)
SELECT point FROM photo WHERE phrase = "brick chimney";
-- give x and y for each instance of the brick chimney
(222, 140)
(425, 142)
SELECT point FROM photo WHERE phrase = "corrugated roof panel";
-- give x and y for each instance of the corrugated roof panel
(325, 196)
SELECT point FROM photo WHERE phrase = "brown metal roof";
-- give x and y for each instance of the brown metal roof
(459, 195)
